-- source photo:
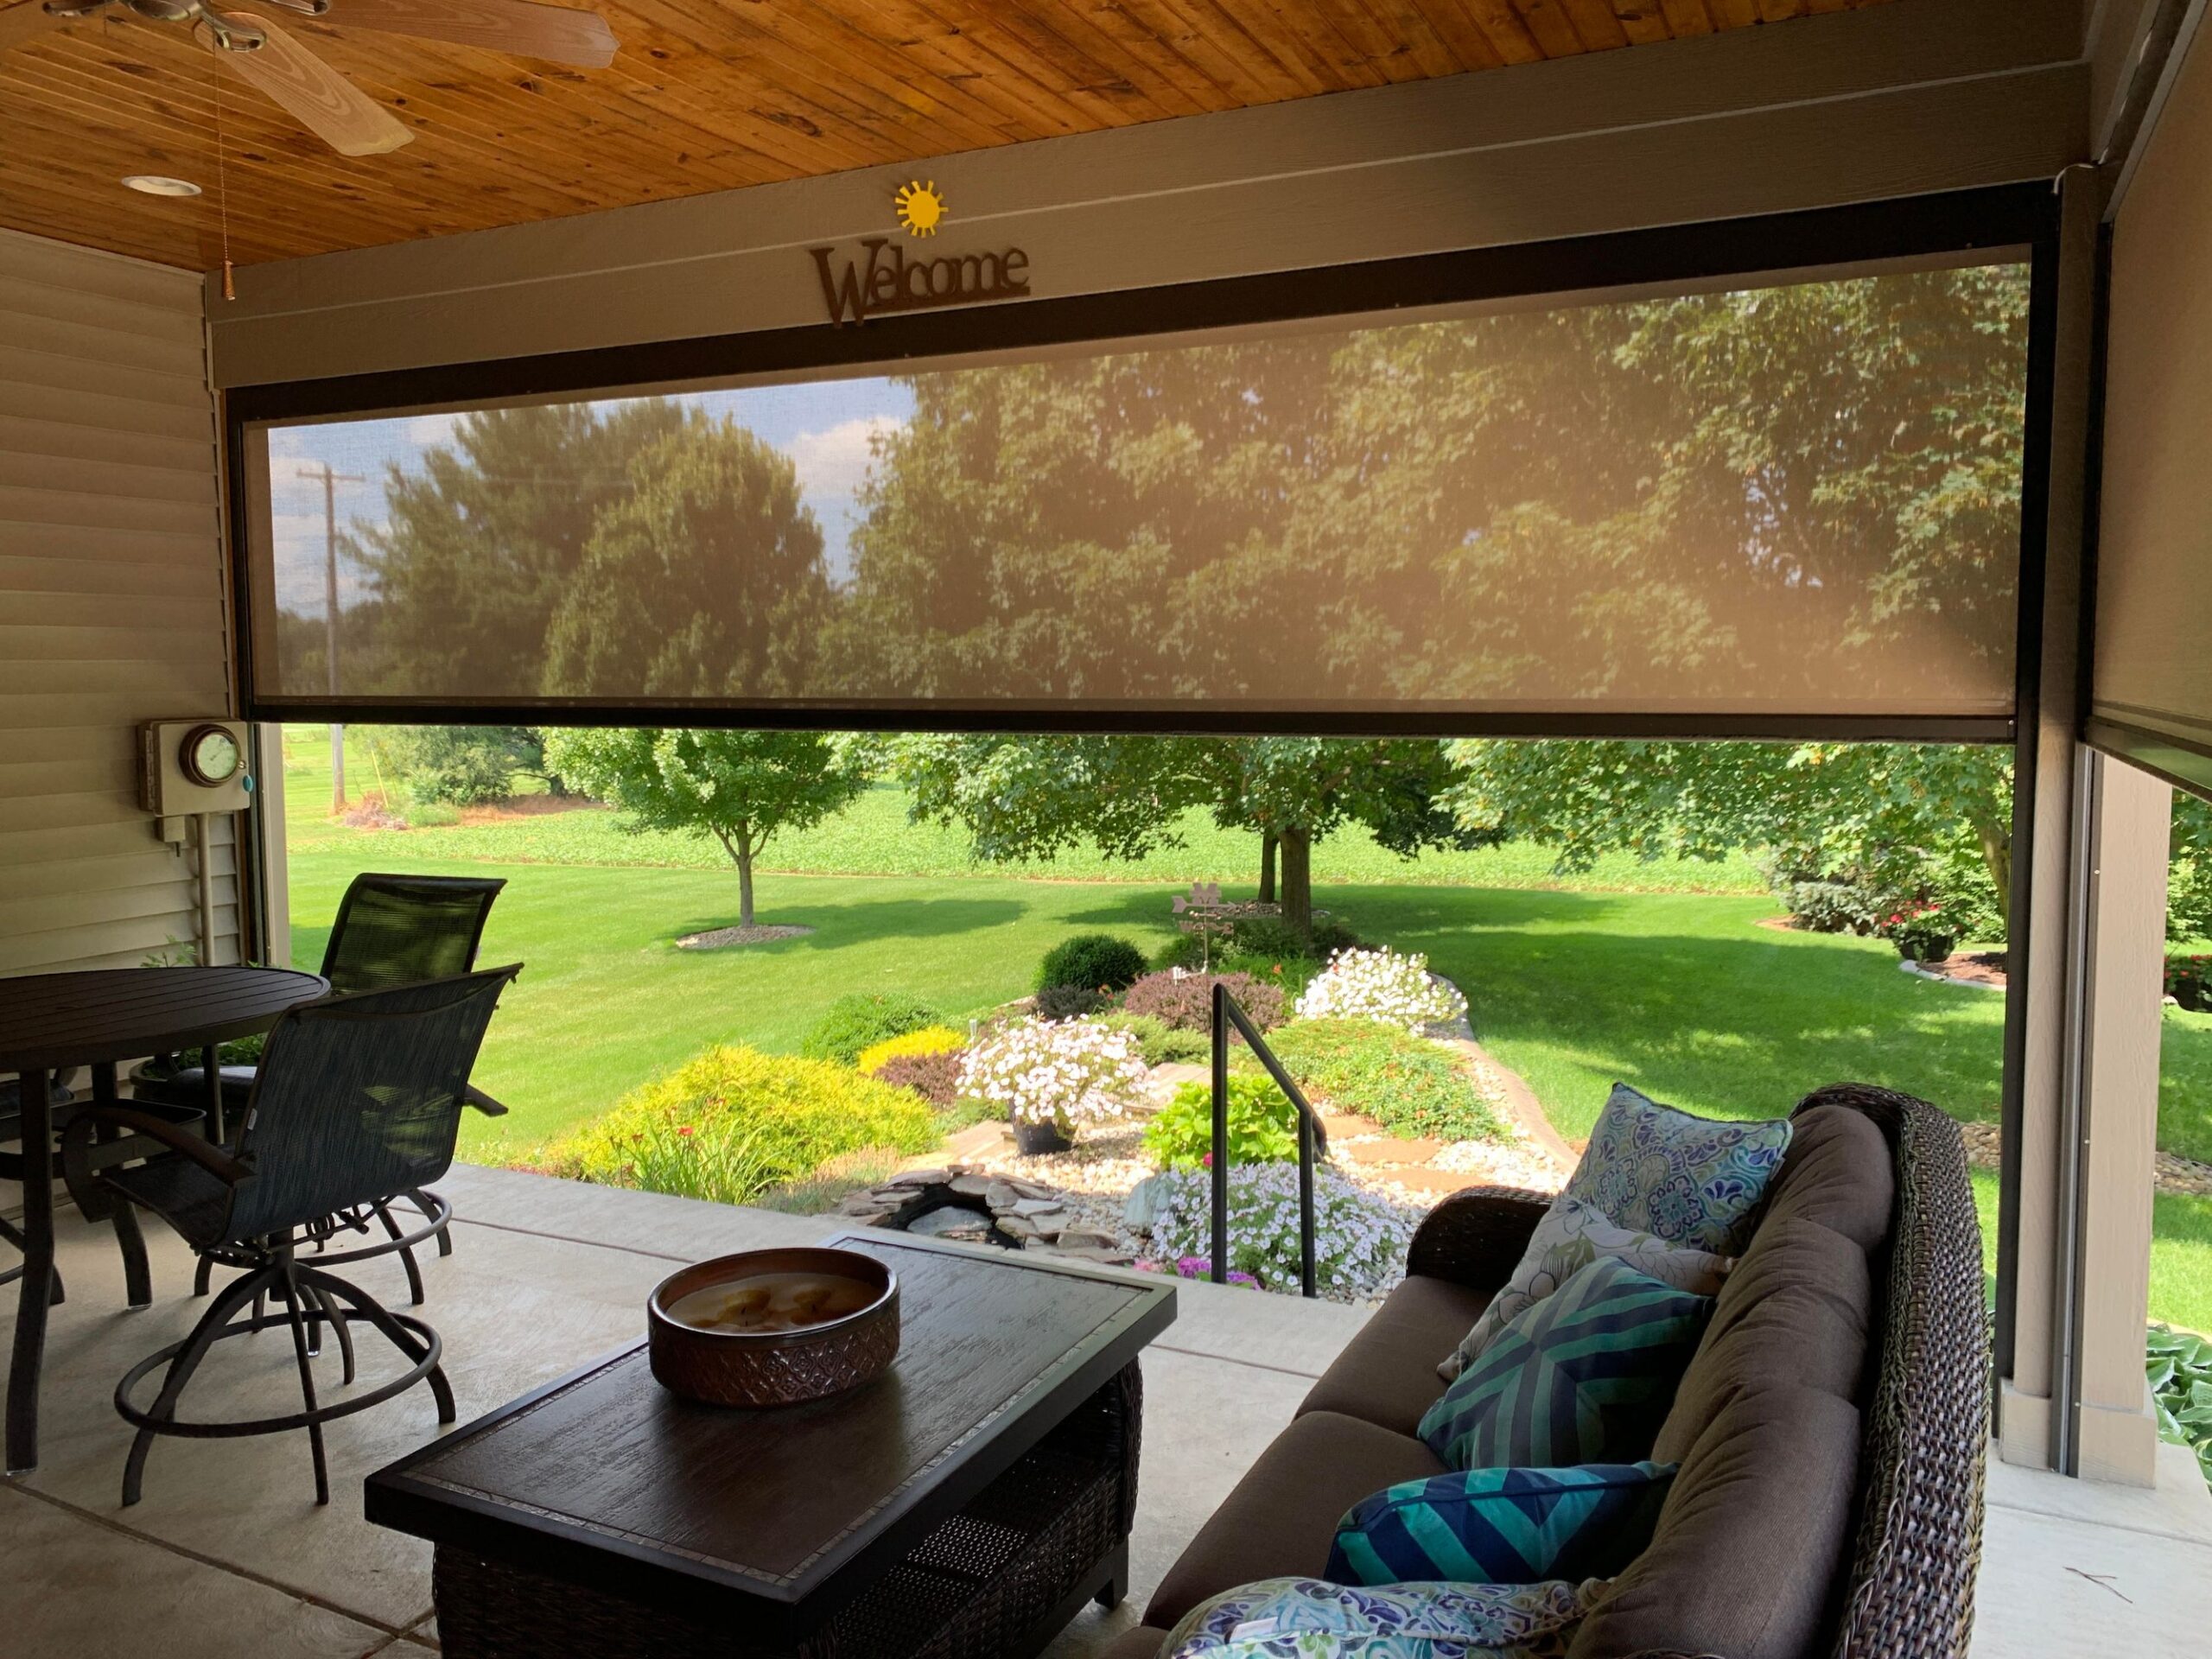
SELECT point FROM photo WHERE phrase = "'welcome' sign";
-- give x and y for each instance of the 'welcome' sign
(884, 279)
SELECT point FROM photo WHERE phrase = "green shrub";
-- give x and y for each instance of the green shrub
(1288, 974)
(1406, 1083)
(1183, 951)
(2179, 1365)
(432, 815)
(460, 765)
(1092, 962)
(1160, 1042)
(1263, 1126)
(734, 1121)
(856, 1021)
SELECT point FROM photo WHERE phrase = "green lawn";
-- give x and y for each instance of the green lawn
(1679, 993)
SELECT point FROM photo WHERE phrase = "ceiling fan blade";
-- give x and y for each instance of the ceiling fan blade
(557, 33)
(318, 97)
(26, 20)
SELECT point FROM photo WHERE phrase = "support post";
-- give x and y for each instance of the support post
(2113, 1054)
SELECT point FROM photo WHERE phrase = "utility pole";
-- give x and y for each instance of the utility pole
(330, 482)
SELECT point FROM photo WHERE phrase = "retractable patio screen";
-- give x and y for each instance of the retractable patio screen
(1799, 500)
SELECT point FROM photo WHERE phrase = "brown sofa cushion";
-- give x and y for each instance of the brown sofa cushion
(1795, 1312)
(1387, 1375)
(1840, 1171)
(1282, 1517)
(1750, 1542)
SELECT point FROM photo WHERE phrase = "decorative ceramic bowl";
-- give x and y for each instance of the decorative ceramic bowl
(772, 1327)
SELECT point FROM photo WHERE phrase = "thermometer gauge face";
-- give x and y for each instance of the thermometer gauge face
(209, 756)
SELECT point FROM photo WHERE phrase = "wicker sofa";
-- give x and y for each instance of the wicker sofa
(1831, 1430)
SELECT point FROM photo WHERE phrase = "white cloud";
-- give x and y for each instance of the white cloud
(428, 431)
(833, 462)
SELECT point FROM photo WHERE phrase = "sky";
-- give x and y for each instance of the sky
(824, 427)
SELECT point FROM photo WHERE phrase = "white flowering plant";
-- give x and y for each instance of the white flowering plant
(1359, 1239)
(1389, 987)
(1070, 1073)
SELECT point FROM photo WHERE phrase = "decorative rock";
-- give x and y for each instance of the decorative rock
(1075, 1239)
(1029, 1189)
(974, 1187)
(920, 1178)
(1002, 1197)
(1142, 1210)
(1035, 1206)
(1017, 1226)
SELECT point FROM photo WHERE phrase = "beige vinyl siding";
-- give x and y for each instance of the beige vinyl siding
(111, 601)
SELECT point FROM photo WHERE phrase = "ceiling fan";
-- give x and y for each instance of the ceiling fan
(317, 96)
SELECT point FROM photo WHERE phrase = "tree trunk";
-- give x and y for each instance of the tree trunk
(1268, 867)
(745, 884)
(1296, 849)
(1996, 854)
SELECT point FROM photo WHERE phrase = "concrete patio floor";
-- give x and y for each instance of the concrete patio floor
(228, 1554)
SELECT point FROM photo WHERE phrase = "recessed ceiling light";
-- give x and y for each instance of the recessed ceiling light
(153, 184)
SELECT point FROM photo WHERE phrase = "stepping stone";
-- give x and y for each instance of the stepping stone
(1387, 1151)
(1440, 1181)
(1343, 1125)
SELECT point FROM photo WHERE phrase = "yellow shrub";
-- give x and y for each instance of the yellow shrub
(930, 1040)
(733, 1121)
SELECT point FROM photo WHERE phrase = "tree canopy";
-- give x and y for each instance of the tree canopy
(742, 788)
(1034, 797)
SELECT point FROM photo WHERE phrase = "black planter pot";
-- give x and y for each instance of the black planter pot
(1033, 1139)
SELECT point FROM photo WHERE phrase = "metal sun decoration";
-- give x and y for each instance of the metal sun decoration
(921, 209)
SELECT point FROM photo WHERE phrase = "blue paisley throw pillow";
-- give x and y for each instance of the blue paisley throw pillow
(1503, 1526)
(1585, 1375)
(1688, 1180)
(1304, 1619)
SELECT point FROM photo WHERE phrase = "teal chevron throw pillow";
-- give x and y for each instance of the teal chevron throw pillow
(1503, 1526)
(1585, 1375)
(1688, 1180)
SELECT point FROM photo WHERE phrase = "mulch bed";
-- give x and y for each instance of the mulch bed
(759, 933)
(2173, 1172)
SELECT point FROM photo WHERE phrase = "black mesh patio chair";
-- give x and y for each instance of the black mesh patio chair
(391, 930)
(357, 1096)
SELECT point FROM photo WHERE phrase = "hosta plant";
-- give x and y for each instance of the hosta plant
(1358, 1239)
(2180, 1366)
(1389, 987)
(1070, 1073)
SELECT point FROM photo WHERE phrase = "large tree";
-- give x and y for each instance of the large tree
(1903, 816)
(1031, 797)
(742, 788)
(704, 580)
(480, 539)
(1809, 494)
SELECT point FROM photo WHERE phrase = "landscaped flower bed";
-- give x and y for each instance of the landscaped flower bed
(1385, 985)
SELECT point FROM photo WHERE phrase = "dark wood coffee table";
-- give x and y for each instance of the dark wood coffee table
(964, 1504)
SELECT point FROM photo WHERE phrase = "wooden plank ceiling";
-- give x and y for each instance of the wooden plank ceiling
(704, 95)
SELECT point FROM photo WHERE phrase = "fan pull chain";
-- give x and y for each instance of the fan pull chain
(223, 192)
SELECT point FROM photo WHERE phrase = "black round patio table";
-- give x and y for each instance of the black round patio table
(54, 1022)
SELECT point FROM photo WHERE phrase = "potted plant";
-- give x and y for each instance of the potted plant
(1921, 932)
(1053, 1077)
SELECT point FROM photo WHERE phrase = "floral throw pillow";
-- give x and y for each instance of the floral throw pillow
(1569, 1238)
(1688, 1180)
(1305, 1618)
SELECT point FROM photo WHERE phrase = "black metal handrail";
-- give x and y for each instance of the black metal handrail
(1311, 1138)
